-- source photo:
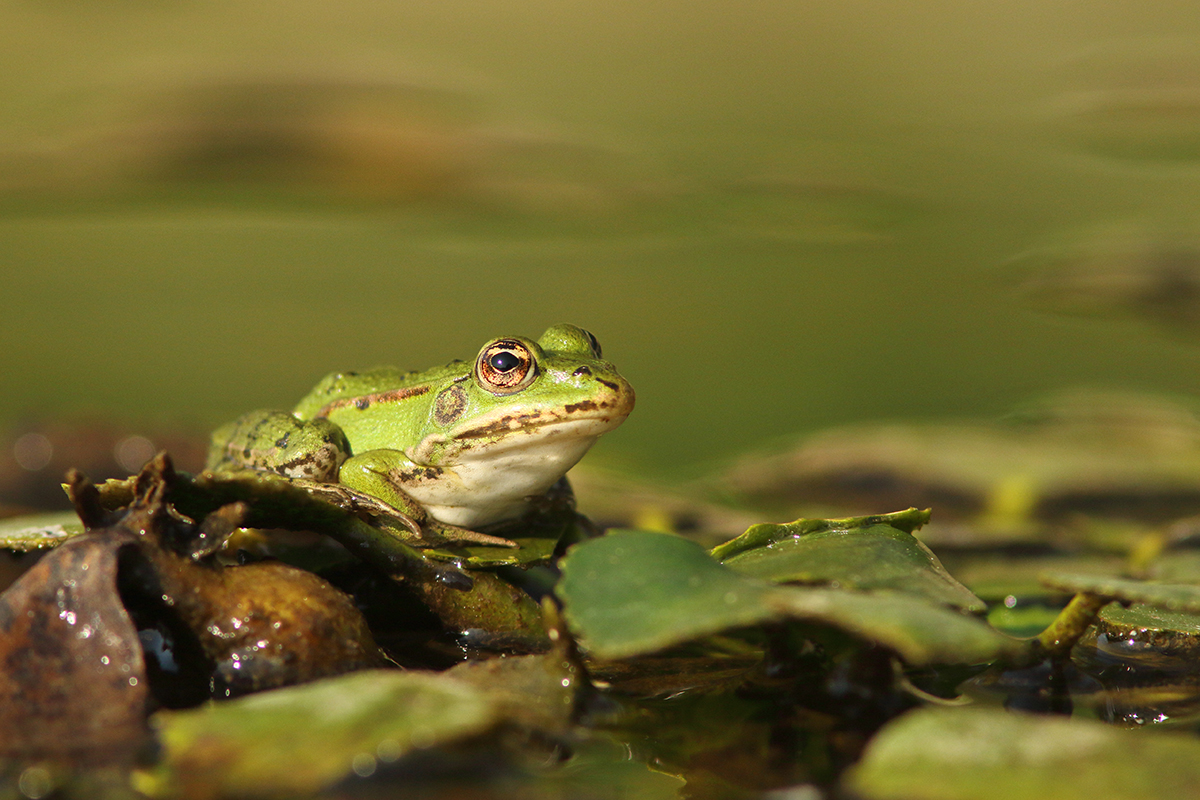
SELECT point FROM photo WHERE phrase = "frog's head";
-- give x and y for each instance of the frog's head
(527, 405)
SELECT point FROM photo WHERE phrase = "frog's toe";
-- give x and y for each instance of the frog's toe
(452, 534)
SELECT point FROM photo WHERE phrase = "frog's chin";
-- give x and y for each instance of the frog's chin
(493, 481)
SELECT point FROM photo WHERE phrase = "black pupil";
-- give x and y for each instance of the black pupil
(504, 362)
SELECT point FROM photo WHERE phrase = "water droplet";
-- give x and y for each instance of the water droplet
(35, 783)
(363, 765)
(388, 751)
(33, 452)
(133, 452)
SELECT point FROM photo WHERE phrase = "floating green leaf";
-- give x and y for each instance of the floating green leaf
(536, 691)
(989, 753)
(295, 741)
(919, 631)
(1167, 634)
(636, 592)
(38, 531)
(873, 557)
(909, 520)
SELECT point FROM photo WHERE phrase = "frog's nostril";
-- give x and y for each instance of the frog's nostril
(582, 371)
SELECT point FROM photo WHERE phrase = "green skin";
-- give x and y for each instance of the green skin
(458, 446)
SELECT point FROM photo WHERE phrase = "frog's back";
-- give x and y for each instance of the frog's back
(361, 389)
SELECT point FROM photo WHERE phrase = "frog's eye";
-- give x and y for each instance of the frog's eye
(595, 344)
(505, 366)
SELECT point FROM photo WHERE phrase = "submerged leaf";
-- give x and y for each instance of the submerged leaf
(874, 557)
(636, 592)
(986, 753)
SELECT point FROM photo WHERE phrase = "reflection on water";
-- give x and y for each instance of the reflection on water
(1122, 271)
(310, 140)
(1135, 99)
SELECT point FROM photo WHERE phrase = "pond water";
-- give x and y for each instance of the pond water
(775, 216)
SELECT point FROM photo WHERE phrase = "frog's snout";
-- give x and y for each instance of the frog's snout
(620, 397)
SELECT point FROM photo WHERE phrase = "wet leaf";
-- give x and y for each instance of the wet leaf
(764, 534)
(38, 531)
(297, 740)
(256, 626)
(73, 680)
(537, 539)
(537, 692)
(277, 502)
(636, 592)
(874, 557)
(917, 630)
(490, 612)
(1168, 639)
(986, 753)
(262, 625)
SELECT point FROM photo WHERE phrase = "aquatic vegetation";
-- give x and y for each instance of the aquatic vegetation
(808, 653)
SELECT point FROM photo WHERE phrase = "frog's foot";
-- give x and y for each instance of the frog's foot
(425, 532)
(440, 533)
(362, 504)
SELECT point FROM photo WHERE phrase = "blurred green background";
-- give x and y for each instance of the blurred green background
(775, 216)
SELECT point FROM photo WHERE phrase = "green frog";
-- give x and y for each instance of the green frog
(453, 448)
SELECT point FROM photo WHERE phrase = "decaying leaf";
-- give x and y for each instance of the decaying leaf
(72, 677)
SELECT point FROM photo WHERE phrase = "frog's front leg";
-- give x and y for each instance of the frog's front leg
(383, 473)
(276, 441)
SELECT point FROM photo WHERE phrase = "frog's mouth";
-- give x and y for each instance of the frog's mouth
(574, 426)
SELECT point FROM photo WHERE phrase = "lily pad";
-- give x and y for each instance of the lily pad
(297, 740)
(986, 753)
(920, 632)
(1168, 639)
(636, 592)
(38, 531)
(537, 692)
(875, 557)
(909, 520)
